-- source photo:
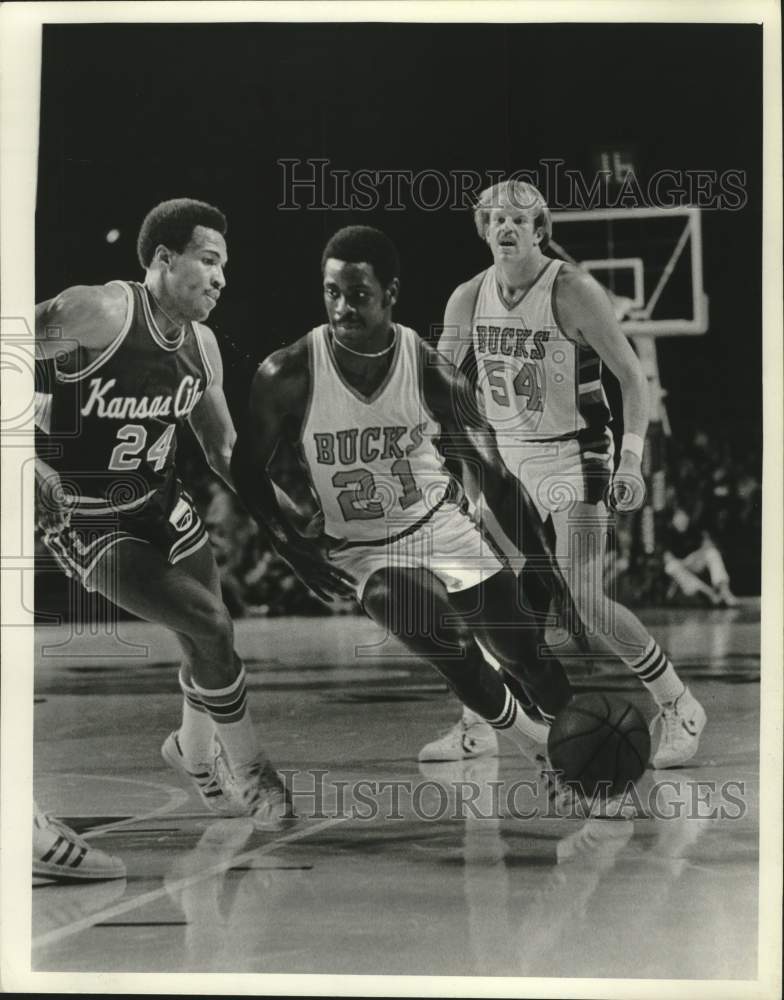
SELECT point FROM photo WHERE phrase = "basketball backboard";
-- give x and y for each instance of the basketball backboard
(648, 259)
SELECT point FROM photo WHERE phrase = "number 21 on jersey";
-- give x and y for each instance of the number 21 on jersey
(363, 502)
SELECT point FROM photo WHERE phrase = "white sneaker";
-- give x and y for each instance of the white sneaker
(264, 796)
(60, 853)
(213, 781)
(468, 738)
(682, 722)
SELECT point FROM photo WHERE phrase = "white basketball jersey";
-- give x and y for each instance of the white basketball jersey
(536, 383)
(373, 461)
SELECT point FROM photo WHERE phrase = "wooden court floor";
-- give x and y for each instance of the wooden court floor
(388, 871)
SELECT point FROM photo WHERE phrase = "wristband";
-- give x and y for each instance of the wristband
(633, 443)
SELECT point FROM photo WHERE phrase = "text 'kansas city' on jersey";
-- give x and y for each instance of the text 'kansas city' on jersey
(112, 418)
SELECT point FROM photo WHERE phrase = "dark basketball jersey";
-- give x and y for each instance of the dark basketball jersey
(112, 421)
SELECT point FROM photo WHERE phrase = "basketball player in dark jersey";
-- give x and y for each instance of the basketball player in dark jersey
(131, 363)
(373, 411)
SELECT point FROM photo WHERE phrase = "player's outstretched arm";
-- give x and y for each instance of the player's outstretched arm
(454, 343)
(277, 398)
(468, 437)
(270, 405)
(586, 314)
(211, 420)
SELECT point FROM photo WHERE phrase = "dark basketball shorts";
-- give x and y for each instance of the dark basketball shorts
(173, 527)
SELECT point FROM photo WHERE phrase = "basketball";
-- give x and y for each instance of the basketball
(599, 738)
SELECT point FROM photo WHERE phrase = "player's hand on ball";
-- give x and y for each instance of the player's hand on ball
(311, 566)
(627, 490)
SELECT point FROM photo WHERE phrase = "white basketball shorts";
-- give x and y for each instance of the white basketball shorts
(449, 544)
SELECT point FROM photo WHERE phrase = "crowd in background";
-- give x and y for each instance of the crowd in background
(710, 538)
(714, 517)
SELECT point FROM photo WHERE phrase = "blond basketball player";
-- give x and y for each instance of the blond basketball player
(374, 410)
(533, 333)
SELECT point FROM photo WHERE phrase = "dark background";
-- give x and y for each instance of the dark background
(133, 114)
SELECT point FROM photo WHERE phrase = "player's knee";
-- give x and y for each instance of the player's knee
(460, 642)
(213, 621)
(378, 589)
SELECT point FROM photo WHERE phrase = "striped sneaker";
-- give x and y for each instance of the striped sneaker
(265, 797)
(61, 854)
(212, 780)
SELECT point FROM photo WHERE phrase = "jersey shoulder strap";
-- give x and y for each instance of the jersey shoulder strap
(200, 335)
(110, 349)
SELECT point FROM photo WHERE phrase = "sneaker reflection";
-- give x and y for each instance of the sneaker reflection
(229, 916)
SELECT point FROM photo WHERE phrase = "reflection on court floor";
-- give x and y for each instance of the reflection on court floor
(394, 868)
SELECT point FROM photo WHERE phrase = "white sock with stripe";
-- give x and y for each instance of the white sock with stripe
(530, 736)
(658, 674)
(470, 717)
(197, 731)
(228, 709)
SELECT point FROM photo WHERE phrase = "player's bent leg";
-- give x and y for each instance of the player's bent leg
(514, 637)
(200, 566)
(138, 578)
(232, 777)
(413, 604)
(256, 787)
(471, 736)
(193, 750)
(581, 534)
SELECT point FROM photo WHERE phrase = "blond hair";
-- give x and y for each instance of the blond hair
(521, 195)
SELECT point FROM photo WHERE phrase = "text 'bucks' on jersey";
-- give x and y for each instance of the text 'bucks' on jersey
(373, 460)
(112, 419)
(535, 382)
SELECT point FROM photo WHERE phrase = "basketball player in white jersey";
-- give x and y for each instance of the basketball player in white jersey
(532, 334)
(132, 362)
(373, 410)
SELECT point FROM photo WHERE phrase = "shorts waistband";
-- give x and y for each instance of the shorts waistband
(376, 542)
